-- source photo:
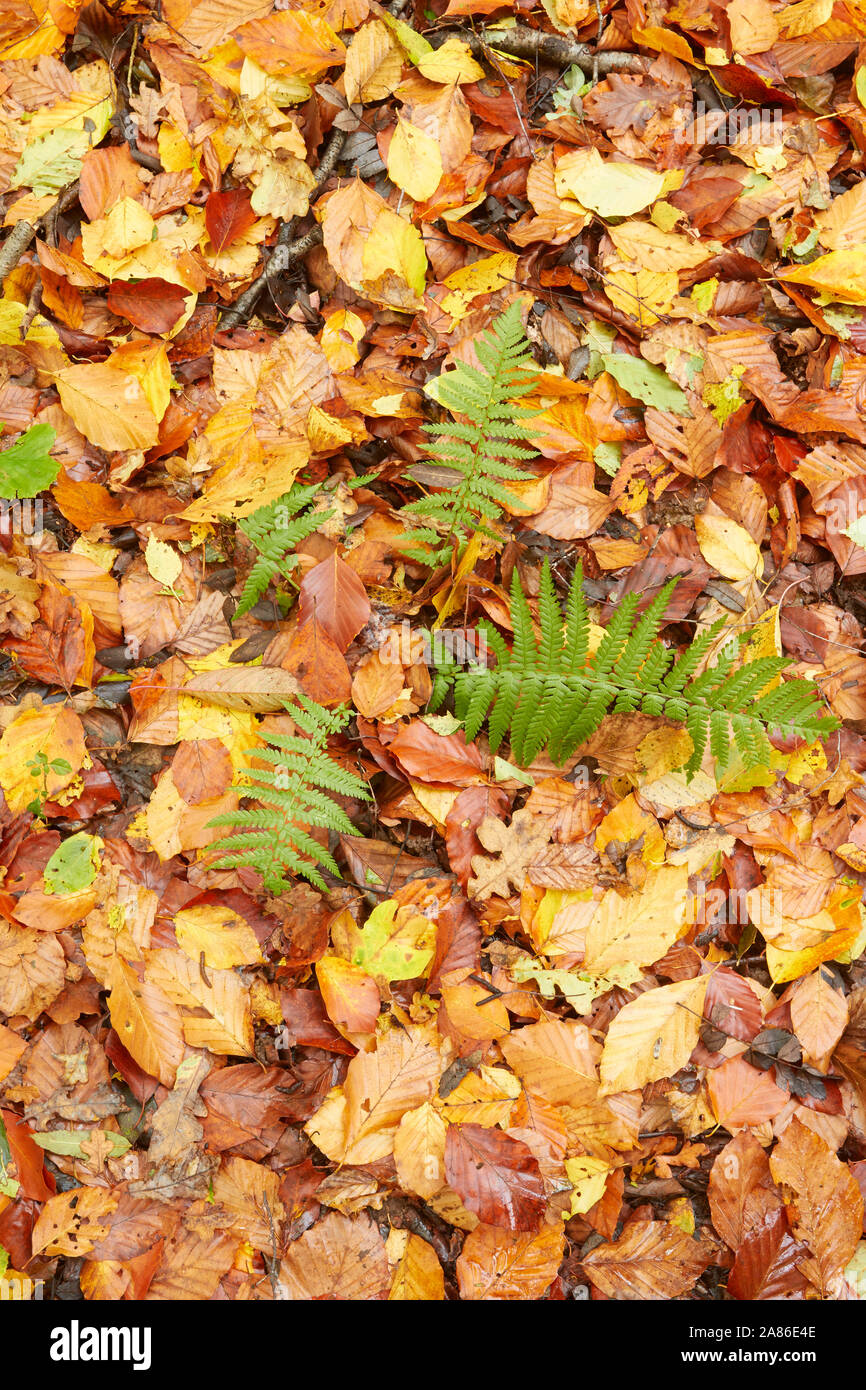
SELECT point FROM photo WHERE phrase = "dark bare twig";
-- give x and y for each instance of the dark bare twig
(286, 251)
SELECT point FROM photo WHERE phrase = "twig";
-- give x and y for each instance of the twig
(23, 232)
(14, 247)
(286, 251)
(521, 42)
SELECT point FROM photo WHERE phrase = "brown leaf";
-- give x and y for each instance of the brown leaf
(652, 1260)
(432, 757)
(738, 1170)
(227, 216)
(340, 1258)
(333, 594)
(824, 1204)
(312, 656)
(496, 1177)
(201, 769)
(153, 305)
(742, 1095)
(509, 1265)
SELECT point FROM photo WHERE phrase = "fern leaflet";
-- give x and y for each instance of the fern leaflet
(483, 451)
(548, 693)
(275, 530)
(274, 837)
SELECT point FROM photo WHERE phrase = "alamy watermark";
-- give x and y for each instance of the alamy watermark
(20, 1288)
(21, 518)
(766, 125)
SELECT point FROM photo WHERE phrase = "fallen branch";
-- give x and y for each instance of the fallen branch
(521, 42)
(14, 247)
(286, 251)
(23, 232)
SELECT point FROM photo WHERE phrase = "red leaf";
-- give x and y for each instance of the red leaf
(333, 594)
(742, 1095)
(766, 1266)
(29, 1159)
(227, 216)
(433, 757)
(740, 1168)
(467, 813)
(495, 1176)
(308, 1024)
(312, 656)
(731, 1004)
(153, 305)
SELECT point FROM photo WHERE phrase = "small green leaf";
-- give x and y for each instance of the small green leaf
(73, 865)
(26, 467)
(646, 382)
(507, 772)
(608, 457)
(395, 947)
(70, 1142)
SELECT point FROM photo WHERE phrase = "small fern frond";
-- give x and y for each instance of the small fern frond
(483, 450)
(292, 792)
(276, 530)
(546, 692)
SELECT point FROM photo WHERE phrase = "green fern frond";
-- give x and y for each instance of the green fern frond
(484, 449)
(276, 530)
(274, 836)
(545, 692)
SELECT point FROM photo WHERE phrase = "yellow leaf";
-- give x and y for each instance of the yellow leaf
(148, 362)
(419, 1151)
(803, 18)
(453, 62)
(72, 114)
(639, 928)
(176, 153)
(414, 161)
(643, 296)
(839, 275)
(842, 226)
(653, 1036)
(754, 26)
(223, 1020)
(395, 246)
(377, 252)
(587, 1177)
(254, 82)
(647, 244)
(146, 1021)
(728, 547)
(664, 41)
(419, 1275)
(611, 190)
(55, 731)
(326, 434)
(247, 481)
(163, 563)
(482, 277)
(485, 1097)
(374, 64)
(358, 1122)
(108, 406)
(223, 937)
(284, 187)
(126, 227)
(340, 337)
